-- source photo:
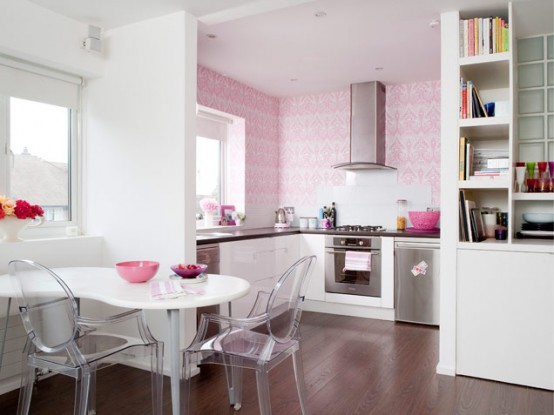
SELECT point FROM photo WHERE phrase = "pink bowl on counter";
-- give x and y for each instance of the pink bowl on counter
(137, 271)
(424, 220)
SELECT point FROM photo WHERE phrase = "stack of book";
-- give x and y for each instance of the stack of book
(471, 104)
(465, 159)
(481, 163)
(483, 36)
(471, 221)
(490, 164)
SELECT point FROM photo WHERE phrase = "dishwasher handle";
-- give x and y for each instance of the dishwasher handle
(416, 245)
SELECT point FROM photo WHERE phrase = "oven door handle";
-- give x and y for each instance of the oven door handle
(343, 251)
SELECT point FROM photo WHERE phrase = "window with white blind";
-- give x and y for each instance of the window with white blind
(212, 130)
(39, 110)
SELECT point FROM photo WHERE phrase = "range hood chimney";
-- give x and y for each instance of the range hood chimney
(367, 127)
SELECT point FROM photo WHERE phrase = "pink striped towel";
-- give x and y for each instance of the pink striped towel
(161, 290)
(357, 261)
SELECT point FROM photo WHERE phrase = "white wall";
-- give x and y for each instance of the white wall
(33, 33)
(140, 147)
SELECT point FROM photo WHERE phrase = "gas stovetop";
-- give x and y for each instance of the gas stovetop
(359, 228)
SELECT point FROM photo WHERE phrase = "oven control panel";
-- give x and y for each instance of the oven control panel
(357, 242)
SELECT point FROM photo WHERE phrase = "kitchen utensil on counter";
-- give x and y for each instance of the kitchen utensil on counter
(401, 206)
(281, 218)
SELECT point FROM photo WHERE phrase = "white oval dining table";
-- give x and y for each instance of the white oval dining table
(105, 285)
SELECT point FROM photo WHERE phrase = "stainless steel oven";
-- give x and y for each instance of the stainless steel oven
(345, 281)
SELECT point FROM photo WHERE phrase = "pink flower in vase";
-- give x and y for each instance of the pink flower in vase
(208, 205)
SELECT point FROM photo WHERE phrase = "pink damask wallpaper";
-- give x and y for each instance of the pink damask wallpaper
(261, 114)
(290, 143)
(413, 133)
(314, 134)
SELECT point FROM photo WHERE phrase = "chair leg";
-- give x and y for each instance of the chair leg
(92, 394)
(82, 389)
(156, 373)
(300, 381)
(233, 374)
(186, 383)
(26, 390)
(262, 381)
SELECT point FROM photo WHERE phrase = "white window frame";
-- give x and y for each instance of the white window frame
(57, 228)
(222, 118)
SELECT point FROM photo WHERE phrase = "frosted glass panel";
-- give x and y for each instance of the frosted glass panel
(550, 99)
(531, 75)
(531, 101)
(530, 49)
(531, 152)
(550, 44)
(550, 151)
(551, 126)
(531, 128)
(550, 72)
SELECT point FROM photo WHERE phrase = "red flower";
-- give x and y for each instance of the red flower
(36, 211)
(2, 213)
(22, 209)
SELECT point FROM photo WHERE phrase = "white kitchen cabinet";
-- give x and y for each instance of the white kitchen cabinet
(311, 244)
(505, 319)
(260, 261)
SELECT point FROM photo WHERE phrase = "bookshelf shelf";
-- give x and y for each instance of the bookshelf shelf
(502, 58)
(534, 196)
(484, 184)
(499, 122)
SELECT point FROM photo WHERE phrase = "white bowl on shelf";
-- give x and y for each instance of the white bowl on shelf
(538, 218)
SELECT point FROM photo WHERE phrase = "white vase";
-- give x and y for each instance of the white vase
(208, 219)
(10, 227)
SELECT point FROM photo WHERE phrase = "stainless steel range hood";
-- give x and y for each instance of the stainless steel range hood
(367, 127)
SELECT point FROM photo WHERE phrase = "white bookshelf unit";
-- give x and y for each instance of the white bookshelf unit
(497, 296)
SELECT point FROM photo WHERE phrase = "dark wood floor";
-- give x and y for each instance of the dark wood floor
(352, 366)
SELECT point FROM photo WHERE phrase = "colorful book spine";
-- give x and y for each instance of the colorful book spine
(483, 36)
(471, 41)
(462, 158)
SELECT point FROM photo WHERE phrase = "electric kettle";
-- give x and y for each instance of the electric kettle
(281, 218)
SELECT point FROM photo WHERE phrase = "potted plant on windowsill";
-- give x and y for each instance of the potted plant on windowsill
(16, 216)
(238, 217)
(209, 207)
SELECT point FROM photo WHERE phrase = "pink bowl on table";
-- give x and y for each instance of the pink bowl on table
(424, 220)
(137, 271)
(189, 270)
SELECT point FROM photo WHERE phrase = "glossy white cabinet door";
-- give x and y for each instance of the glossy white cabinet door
(260, 261)
(505, 317)
(311, 244)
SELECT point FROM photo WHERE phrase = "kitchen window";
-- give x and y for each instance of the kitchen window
(211, 154)
(39, 110)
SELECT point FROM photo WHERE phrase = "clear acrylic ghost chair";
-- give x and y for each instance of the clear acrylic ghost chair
(260, 341)
(61, 341)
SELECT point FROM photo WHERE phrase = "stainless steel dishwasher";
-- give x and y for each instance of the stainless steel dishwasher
(209, 255)
(416, 274)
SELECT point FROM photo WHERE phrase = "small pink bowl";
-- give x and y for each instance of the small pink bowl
(189, 273)
(137, 271)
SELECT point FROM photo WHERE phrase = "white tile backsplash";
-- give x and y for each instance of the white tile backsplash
(374, 204)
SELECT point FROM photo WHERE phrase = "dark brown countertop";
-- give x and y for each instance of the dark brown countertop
(228, 235)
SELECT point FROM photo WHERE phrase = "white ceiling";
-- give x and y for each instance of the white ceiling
(266, 43)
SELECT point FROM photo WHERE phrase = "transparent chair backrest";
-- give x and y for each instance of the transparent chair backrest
(283, 307)
(46, 304)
